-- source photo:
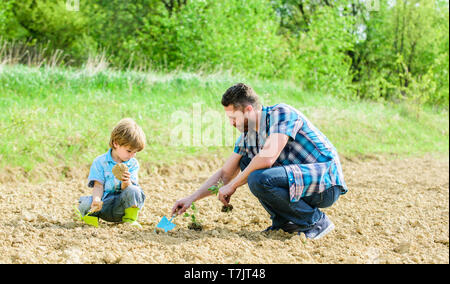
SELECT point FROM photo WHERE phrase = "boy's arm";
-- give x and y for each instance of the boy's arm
(134, 170)
(96, 180)
(97, 194)
(126, 180)
(97, 191)
(131, 177)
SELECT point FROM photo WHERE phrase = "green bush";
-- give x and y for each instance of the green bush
(318, 58)
(405, 53)
(51, 23)
(10, 29)
(116, 27)
(225, 34)
(396, 52)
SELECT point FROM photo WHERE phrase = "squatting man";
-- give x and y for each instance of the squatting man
(289, 165)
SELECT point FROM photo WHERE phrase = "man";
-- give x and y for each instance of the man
(289, 165)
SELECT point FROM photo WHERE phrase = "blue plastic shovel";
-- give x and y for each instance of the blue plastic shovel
(166, 224)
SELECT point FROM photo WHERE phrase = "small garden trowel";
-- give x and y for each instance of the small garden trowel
(90, 220)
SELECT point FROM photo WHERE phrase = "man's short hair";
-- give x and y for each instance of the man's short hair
(240, 96)
(128, 133)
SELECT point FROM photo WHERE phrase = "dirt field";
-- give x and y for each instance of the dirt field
(396, 211)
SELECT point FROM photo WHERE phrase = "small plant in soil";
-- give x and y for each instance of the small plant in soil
(195, 224)
(215, 189)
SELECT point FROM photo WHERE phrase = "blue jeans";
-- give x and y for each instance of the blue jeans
(115, 203)
(271, 187)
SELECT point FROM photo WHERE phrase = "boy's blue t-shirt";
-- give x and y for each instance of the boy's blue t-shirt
(101, 171)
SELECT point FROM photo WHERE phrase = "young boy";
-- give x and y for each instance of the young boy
(114, 200)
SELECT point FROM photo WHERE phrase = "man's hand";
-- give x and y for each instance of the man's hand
(181, 206)
(225, 193)
(226, 173)
(96, 204)
(126, 181)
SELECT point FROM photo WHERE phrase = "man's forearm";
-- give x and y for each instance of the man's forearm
(264, 159)
(203, 190)
(256, 163)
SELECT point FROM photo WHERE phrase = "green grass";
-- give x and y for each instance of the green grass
(64, 116)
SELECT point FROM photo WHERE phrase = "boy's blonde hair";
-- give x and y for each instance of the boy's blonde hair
(128, 133)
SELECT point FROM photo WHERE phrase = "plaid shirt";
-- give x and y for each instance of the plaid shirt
(310, 160)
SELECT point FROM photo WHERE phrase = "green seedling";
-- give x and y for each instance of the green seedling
(215, 189)
(195, 225)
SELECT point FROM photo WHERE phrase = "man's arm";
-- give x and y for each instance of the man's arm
(228, 171)
(265, 159)
(231, 168)
(226, 174)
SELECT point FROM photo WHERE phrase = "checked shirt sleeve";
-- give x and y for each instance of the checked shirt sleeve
(309, 158)
(285, 121)
(239, 147)
(310, 178)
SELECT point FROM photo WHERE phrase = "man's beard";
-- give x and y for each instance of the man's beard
(244, 127)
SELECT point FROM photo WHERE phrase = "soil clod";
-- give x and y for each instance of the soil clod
(118, 170)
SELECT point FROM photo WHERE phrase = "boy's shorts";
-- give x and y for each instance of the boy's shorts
(114, 204)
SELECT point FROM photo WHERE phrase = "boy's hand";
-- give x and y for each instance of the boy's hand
(126, 181)
(96, 204)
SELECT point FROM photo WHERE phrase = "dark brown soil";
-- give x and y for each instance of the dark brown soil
(227, 208)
